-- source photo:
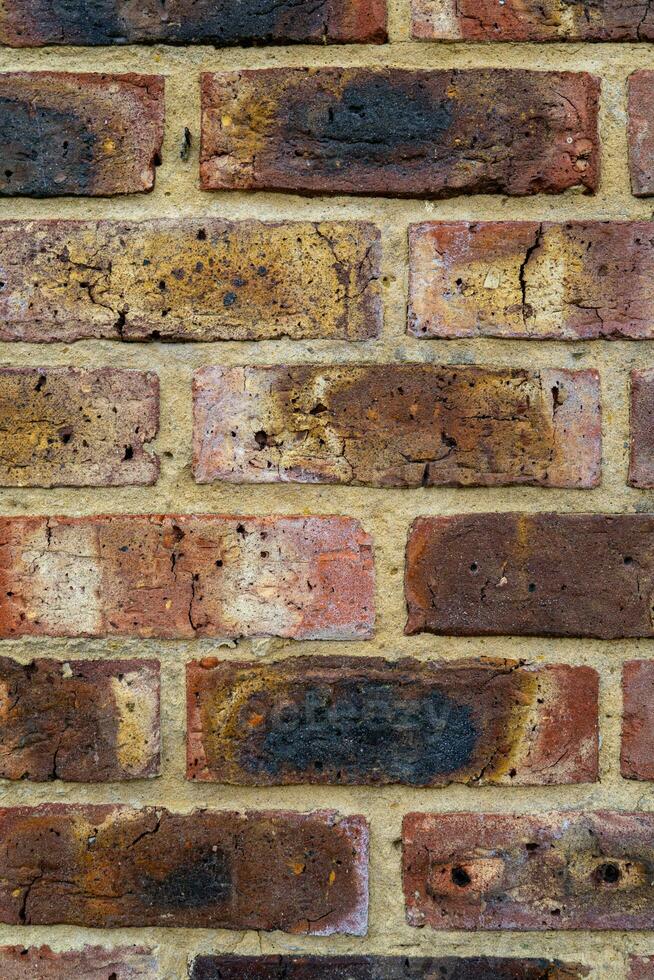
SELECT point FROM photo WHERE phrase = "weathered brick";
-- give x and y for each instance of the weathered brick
(641, 463)
(29, 23)
(570, 870)
(86, 721)
(189, 279)
(641, 967)
(547, 281)
(363, 721)
(532, 20)
(641, 132)
(531, 575)
(380, 968)
(399, 132)
(111, 866)
(71, 134)
(399, 425)
(637, 754)
(186, 576)
(70, 427)
(89, 963)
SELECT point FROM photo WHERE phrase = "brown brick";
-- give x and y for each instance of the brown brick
(110, 866)
(641, 967)
(399, 132)
(189, 279)
(571, 870)
(365, 721)
(641, 463)
(379, 968)
(28, 23)
(69, 427)
(396, 425)
(186, 576)
(641, 132)
(72, 134)
(89, 963)
(637, 755)
(531, 575)
(575, 281)
(87, 721)
(532, 20)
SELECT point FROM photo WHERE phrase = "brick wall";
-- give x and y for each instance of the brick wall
(326, 468)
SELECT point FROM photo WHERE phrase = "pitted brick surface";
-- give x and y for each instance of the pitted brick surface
(89, 963)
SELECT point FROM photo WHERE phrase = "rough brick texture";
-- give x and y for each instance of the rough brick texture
(637, 755)
(536, 280)
(70, 427)
(641, 463)
(89, 963)
(399, 132)
(574, 870)
(87, 721)
(26, 23)
(531, 575)
(109, 866)
(641, 967)
(354, 720)
(406, 425)
(79, 134)
(641, 132)
(186, 576)
(189, 279)
(379, 968)
(532, 20)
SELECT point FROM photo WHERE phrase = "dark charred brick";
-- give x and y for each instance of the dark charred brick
(362, 721)
(79, 134)
(89, 963)
(70, 427)
(637, 753)
(30, 23)
(87, 721)
(533, 20)
(399, 132)
(184, 576)
(641, 132)
(531, 575)
(379, 968)
(68, 280)
(110, 866)
(405, 425)
(641, 464)
(570, 870)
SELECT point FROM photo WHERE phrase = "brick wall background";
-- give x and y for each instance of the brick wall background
(49, 592)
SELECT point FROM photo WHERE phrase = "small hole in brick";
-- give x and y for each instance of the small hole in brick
(65, 435)
(474, 567)
(129, 453)
(460, 876)
(531, 587)
(608, 873)
(202, 235)
(628, 560)
(261, 439)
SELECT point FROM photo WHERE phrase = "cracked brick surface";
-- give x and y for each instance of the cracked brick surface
(399, 132)
(531, 575)
(641, 463)
(366, 721)
(300, 873)
(89, 963)
(79, 134)
(568, 870)
(72, 427)
(186, 576)
(84, 721)
(28, 23)
(641, 132)
(189, 279)
(396, 425)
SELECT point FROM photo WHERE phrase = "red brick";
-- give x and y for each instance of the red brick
(641, 967)
(69, 427)
(29, 23)
(366, 721)
(186, 576)
(532, 20)
(545, 281)
(399, 132)
(72, 134)
(110, 866)
(87, 721)
(531, 575)
(641, 463)
(570, 870)
(637, 755)
(222, 280)
(89, 963)
(405, 425)
(641, 132)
